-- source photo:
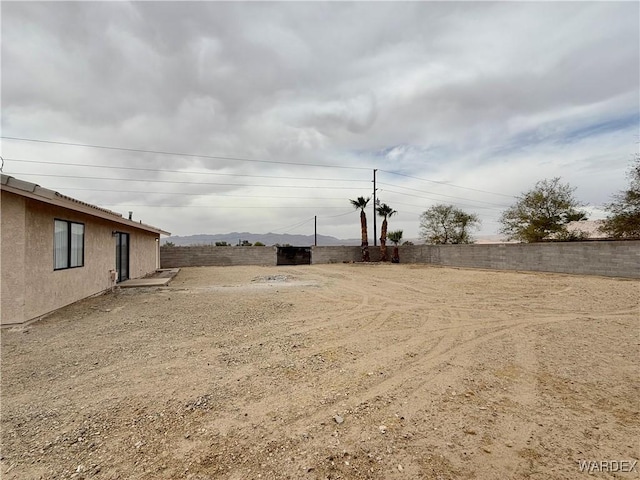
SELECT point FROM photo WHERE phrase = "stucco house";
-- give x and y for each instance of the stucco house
(55, 250)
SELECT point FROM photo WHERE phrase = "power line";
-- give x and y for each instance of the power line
(304, 222)
(180, 182)
(198, 194)
(160, 152)
(219, 157)
(111, 167)
(180, 154)
(437, 200)
(447, 184)
(483, 216)
(443, 195)
(288, 227)
(340, 215)
(125, 204)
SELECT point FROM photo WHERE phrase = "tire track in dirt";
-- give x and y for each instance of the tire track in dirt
(244, 397)
(382, 317)
(447, 349)
(415, 373)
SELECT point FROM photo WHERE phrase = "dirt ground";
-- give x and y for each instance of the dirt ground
(329, 371)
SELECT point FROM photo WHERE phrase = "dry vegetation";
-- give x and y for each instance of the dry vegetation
(330, 371)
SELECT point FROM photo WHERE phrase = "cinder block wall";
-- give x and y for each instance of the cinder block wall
(345, 254)
(206, 256)
(613, 259)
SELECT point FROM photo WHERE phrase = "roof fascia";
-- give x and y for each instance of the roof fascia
(77, 207)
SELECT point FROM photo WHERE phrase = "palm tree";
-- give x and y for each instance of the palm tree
(384, 211)
(395, 237)
(361, 203)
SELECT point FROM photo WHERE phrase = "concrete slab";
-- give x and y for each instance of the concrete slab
(158, 279)
(166, 273)
(144, 282)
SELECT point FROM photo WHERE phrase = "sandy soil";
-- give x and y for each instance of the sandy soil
(329, 371)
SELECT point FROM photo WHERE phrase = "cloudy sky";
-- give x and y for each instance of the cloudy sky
(241, 116)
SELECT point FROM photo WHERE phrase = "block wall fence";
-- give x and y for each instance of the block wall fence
(606, 258)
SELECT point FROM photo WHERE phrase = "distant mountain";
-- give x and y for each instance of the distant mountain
(269, 239)
(234, 238)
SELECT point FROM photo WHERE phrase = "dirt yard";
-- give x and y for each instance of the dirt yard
(329, 371)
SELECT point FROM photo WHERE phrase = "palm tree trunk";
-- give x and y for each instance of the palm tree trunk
(365, 240)
(383, 241)
(396, 255)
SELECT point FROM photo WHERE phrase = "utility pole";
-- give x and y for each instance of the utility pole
(375, 233)
(315, 231)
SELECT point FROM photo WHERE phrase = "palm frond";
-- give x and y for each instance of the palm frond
(360, 202)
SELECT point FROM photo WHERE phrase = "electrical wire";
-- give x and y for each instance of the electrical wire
(340, 215)
(304, 222)
(198, 194)
(180, 154)
(160, 152)
(484, 214)
(125, 204)
(111, 167)
(437, 200)
(447, 184)
(180, 182)
(215, 157)
(443, 195)
(293, 226)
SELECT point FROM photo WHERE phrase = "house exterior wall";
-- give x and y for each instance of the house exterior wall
(40, 289)
(143, 252)
(12, 253)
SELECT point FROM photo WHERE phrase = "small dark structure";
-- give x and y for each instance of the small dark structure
(294, 256)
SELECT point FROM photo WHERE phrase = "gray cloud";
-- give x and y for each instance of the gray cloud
(490, 96)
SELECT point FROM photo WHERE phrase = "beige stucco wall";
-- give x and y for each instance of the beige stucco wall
(143, 251)
(12, 252)
(43, 289)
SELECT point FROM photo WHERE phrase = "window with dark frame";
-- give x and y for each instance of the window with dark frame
(68, 244)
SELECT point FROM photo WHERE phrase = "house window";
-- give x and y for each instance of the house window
(68, 245)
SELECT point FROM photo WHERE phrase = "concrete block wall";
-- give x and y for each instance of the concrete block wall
(206, 256)
(345, 254)
(612, 259)
(608, 258)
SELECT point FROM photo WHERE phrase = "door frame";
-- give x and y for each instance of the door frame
(119, 257)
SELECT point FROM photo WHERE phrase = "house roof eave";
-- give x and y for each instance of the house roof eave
(36, 192)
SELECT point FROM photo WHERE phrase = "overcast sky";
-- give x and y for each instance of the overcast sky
(453, 102)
